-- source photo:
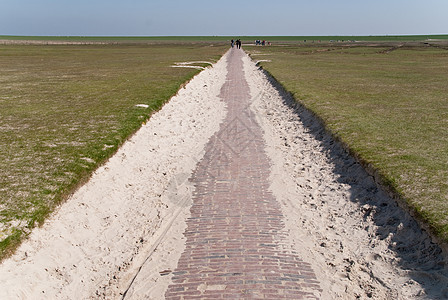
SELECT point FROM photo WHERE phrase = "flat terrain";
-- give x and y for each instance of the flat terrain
(245, 39)
(387, 102)
(69, 111)
(240, 193)
(66, 108)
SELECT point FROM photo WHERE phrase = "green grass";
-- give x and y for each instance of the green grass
(390, 108)
(65, 109)
(246, 39)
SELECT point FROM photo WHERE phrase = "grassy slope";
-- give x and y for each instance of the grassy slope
(391, 108)
(66, 109)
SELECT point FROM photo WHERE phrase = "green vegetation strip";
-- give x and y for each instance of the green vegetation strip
(65, 109)
(390, 106)
(245, 39)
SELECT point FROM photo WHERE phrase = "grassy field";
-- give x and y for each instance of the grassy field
(65, 109)
(245, 39)
(389, 105)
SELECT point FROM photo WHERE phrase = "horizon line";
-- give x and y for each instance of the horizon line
(250, 35)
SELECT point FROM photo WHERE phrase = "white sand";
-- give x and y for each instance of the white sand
(123, 230)
(359, 242)
(191, 64)
(112, 223)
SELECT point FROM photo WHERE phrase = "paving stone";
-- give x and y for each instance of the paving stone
(235, 229)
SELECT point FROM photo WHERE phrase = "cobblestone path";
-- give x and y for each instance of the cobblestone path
(235, 231)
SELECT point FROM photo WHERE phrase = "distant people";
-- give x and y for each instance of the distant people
(232, 42)
(263, 43)
(238, 43)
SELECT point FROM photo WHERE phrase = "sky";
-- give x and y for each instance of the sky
(223, 18)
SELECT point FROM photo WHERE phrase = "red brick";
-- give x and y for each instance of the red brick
(235, 228)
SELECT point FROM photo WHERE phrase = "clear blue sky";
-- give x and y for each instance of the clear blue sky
(231, 17)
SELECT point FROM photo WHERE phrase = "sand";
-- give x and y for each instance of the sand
(121, 234)
(116, 219)
(360, 243)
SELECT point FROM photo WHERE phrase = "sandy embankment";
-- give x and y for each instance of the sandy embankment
(360, 243)
(112, 224)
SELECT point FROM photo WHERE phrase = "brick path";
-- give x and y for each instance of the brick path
(235, 230)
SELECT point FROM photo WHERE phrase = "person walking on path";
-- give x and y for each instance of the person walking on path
(238, 44)
(232, 42)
